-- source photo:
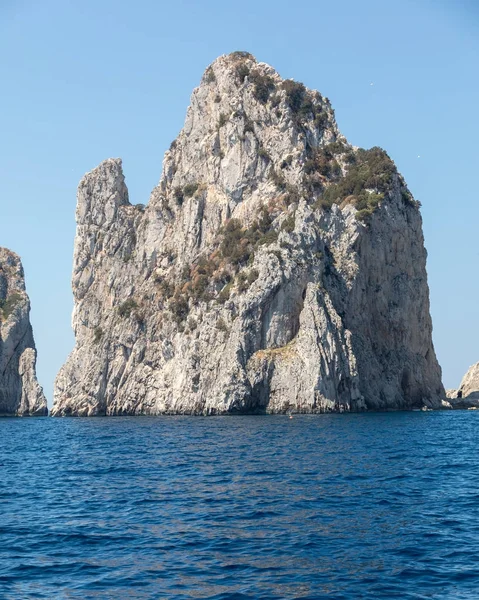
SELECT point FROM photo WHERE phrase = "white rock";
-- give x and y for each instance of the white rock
(337, 319)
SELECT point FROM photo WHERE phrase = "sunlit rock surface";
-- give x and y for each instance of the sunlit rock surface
(275, 268)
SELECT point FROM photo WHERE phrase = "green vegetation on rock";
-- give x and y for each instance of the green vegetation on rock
(7, 306)
(301, 104)
(241, 54)
(190, 189)
(209, 75)
(263, 86)
(242, 71)
(365, 184)
(125, 309)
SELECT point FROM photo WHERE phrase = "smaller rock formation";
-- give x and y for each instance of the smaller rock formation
(470, 383)
(20, 393)
(467, 395)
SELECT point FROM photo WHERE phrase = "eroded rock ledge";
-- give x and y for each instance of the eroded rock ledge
(275, 267)
(20, 393)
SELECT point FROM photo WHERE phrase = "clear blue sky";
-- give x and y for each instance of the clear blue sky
(85, 80)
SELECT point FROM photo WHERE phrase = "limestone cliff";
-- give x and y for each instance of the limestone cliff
(20, 393)
(276, 267)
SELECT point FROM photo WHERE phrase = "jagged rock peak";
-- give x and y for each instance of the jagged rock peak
(20, 393)
(105, 185)
(276, 267)
(243, 123)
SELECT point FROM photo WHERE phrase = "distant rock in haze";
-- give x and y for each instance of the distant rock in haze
(20, 393)
(275, 268)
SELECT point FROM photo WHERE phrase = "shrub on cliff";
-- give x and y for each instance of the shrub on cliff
(263, 153)
(295, 93)
(240, 54)
(299, 100)
(221, 325)
(7, 305)
(179, 307)
(263, 86)
(178, 196)
(225, 293)
(190, 189)
(242, 71)
(372, 170)
(230, 245)
(125, 309)
(288, 224)
(209, 75)
(320, 119)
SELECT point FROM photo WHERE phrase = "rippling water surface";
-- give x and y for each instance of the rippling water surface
(331, 506)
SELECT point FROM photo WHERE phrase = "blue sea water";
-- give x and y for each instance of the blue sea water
(255, 507)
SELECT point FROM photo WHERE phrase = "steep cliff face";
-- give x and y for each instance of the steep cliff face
(275, 268)
(20, 393)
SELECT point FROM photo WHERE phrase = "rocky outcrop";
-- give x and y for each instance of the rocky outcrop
(467, 395)
(470, 383)
(20, 393)
(275, 268)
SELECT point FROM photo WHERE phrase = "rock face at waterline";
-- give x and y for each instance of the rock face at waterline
(20, 393)
(276, 267)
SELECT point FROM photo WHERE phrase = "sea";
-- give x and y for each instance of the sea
(372, 505)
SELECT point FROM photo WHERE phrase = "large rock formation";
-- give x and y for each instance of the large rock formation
(20, 393)
(275, 268)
